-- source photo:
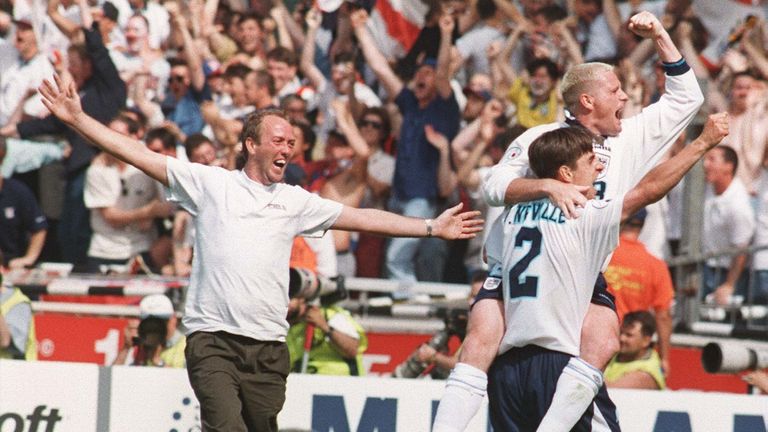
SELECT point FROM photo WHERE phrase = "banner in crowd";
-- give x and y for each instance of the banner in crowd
(60, 397)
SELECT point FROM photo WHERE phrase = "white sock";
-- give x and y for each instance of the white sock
(576, 389)
(464, 393)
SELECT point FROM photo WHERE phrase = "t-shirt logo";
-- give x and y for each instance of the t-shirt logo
(605, 160)
(491, 283)
(515, 151)
(10, 212)
(276, 206)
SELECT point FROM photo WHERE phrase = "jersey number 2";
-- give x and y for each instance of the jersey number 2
(520, 284)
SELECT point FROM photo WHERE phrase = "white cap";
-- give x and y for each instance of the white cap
(156, 305)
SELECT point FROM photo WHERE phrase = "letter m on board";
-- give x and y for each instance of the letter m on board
(329, 414)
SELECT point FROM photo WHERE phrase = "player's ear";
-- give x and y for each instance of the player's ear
(565, 173)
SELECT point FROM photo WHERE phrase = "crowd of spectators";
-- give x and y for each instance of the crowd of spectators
(412, 130)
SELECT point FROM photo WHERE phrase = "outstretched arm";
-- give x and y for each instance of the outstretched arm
(665, 176)
(63, 101)
(450, 225)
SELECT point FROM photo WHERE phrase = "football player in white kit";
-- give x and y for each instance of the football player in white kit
(545, 264)
(593, 95)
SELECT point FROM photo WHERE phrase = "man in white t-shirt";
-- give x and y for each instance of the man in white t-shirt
(543, 265)
(235, 317)
(124, 204)
(21, 74)
(759, 286)
(593, 95)
(729, 222)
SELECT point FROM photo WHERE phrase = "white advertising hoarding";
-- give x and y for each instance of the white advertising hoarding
(47, 396)
(152, 399)
(60, 397)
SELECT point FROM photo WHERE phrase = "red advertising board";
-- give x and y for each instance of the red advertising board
(66, 337)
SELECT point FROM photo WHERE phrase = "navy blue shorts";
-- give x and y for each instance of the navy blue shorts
(600, 294)
(521, 384)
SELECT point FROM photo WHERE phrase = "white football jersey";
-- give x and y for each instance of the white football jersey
(550, 264)
(643, 140)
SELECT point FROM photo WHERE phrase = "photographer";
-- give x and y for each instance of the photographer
(637, 364)
(438, 357)
(155, 339)
(17, 324)
(338, 341)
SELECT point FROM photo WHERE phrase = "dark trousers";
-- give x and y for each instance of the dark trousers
(239, 381)
(74, 231)
(521, 385)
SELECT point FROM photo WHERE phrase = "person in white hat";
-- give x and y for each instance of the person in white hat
(154, 310)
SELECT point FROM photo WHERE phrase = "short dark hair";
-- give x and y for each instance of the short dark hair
(133, 125)
(285, 100)
(562, 146)
(503, 139)
(177, 61)
(386, 122)
(80, 50)
(552, 13)
(344, 57)
(237, 70)
(485, 8)
(284, 55)
(310, 137)
(140, 117)
(729, 156)
(250, 15)
(252, 127)
(166, 137)
(552, 69)
(645, 318)
(194, 141)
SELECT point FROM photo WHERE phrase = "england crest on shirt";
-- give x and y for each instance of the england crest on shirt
(605, 159)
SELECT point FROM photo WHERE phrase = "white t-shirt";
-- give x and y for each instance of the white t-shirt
(729, 221)
(760, 258)
(107, 186)
(245, 231)
(472, 47)
(16, 78)
(643, 140)
(557, 260)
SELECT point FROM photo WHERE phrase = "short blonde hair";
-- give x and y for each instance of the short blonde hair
(577, 81)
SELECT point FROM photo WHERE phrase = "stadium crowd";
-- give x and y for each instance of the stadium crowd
(406, 118)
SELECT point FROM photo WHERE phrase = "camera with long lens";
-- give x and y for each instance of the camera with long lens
(729, 357)
(306, 284)
(455, 324)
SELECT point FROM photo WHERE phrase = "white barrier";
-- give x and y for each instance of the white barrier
(48, 396)
(60, 397)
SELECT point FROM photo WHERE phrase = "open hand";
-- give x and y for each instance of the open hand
(61, 99)
(358, 18)
(446, 24)
(452, 225)
(438, 140)
(567, 197)
(314, 19)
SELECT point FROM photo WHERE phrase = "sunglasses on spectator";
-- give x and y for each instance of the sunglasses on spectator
(374, 124)
(176, 78)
